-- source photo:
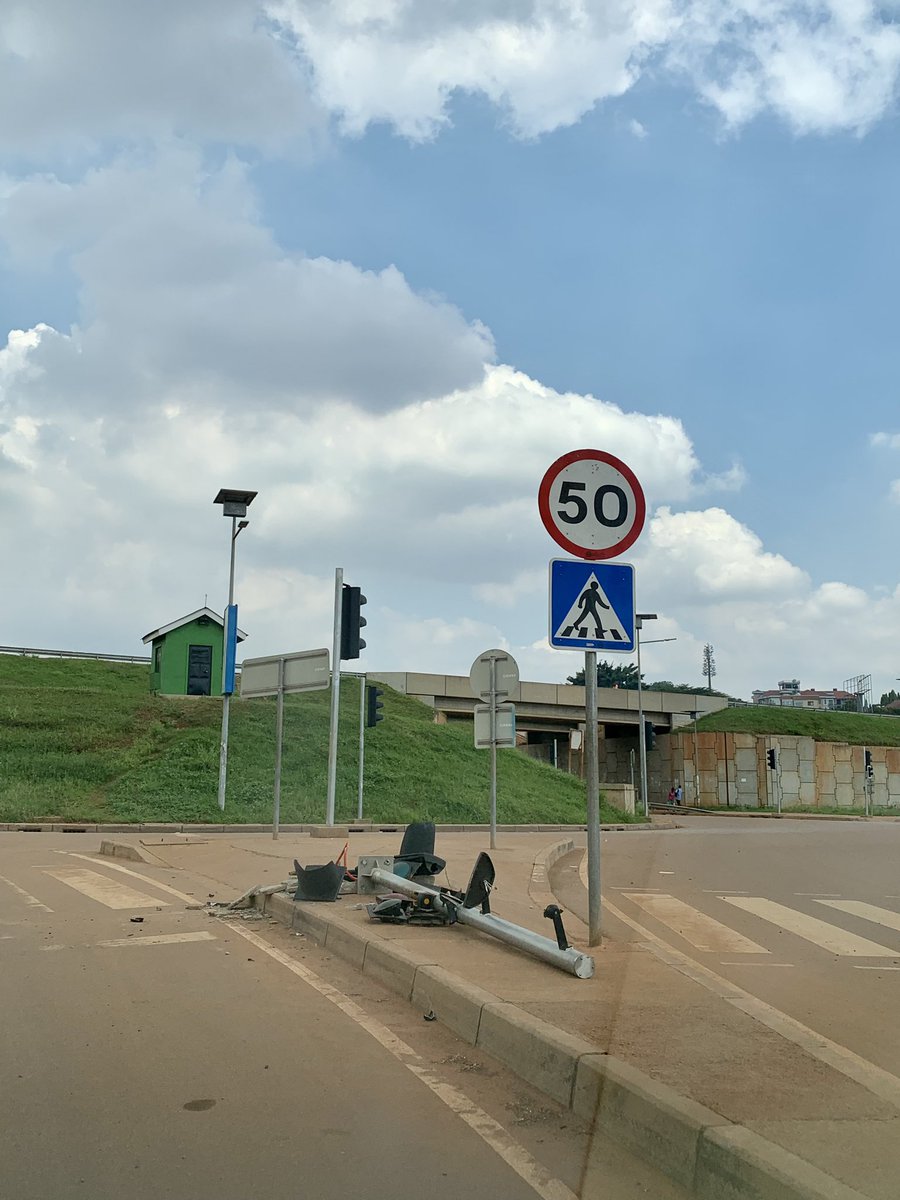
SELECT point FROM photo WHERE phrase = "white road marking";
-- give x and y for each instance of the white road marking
(160, 939)
(32, 901)
(665, 872)
(811, 929)
(490, 1131)
(859, 967)
(730, 891)
(631, 887)
(695, 927)
(723, 963)
(875, 1079)
(869, 912)
(817, 894)
(106, 891)
(110, 866)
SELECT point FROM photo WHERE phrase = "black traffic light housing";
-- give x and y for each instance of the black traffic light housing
(771, 759)
(870, 770)
(352, 621)
(649, 735)
(374, 705)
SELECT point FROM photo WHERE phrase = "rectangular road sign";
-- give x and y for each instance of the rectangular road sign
(505, 725)
(591, 605)
(304, 671)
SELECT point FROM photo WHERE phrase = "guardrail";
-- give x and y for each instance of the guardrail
(32, 652)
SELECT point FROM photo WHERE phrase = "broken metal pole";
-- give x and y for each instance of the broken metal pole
(571, 960)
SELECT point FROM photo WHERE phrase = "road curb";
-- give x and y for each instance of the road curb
(705, 1152)
(122, 850)
(337, 831)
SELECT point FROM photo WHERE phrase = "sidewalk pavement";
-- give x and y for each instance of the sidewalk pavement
(729, 1108)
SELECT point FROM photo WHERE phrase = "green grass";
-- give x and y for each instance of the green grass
(854, 728)
(84, 740)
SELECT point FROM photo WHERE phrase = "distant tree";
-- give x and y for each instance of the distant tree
(888, 698)
(709, 666)
(610, 675)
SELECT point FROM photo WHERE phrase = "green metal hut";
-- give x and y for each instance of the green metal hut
(186, 655)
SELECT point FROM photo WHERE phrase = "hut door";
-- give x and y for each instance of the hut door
(199, 670)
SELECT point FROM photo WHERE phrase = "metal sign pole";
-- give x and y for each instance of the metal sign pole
(279, 742)
(642, 742)
(362, 745)
(493, 753)
(335, 696)
(593, 795)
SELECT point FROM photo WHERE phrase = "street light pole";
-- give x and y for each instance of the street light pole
(234, 504)
(226, 699)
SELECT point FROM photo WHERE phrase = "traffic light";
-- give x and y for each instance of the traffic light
(771, 759)
(649, 735)
(870, 770)
(374, 705)
(352, 621)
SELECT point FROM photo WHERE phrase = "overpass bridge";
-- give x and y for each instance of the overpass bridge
(549, 713)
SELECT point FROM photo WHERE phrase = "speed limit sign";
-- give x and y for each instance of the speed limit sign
(592, 504)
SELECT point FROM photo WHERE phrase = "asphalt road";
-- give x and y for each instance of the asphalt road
(174, 1059)
(803, 914)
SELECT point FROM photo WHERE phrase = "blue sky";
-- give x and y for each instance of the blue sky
(386, 262)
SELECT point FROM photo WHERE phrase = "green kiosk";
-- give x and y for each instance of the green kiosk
(186, 655)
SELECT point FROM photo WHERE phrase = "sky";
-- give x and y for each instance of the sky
(384, 261)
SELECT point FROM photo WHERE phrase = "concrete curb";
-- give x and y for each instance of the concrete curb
(713, 1158)
(121, 850)
(539, 884)
(336, 831)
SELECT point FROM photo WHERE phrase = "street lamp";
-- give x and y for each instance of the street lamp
(234, 504)
(639, 619)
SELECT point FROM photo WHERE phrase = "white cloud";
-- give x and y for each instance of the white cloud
(890, 440)
(708, 556)
(637, 129)
(182, 287)
(820, 65)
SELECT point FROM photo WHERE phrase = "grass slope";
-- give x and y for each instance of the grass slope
(84, 740)
(855, 728)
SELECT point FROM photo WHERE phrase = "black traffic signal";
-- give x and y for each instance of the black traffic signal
(870, 770)
(352, 621)
(649, 735)
(374, 705)
(771, 759)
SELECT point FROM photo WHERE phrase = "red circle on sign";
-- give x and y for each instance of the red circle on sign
(631, 521)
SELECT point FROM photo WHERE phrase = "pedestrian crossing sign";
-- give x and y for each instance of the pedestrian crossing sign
(591, 605)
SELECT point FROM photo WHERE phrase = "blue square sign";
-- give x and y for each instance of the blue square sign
(591, 605)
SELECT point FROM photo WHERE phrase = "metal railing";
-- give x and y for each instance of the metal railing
(33, 652)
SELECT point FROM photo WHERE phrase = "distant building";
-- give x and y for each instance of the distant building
(186, 655)
(789, 694)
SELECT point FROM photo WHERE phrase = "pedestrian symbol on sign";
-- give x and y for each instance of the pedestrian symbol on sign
(588, 603)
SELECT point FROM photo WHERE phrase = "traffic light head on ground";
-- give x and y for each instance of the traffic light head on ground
(352, 621)
(771, 759)
(374, 705)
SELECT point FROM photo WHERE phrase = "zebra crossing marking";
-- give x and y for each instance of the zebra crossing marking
(869, 912)
(811, 929)
(702, 931)
(105, 890)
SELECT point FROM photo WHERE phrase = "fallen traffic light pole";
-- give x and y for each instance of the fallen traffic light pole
(473, 908)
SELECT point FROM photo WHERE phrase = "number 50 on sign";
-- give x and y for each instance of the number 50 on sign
(592, 504)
